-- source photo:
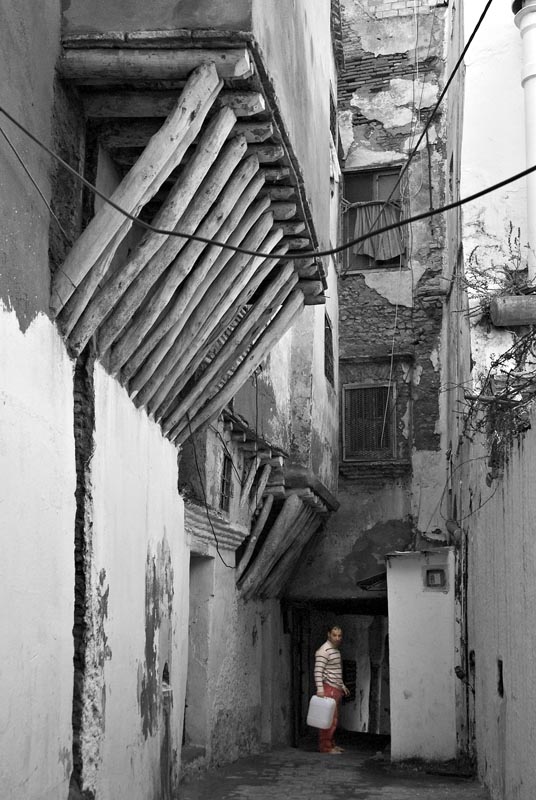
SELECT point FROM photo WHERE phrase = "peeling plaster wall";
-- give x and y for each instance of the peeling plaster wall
(139, 603)
(37, 462)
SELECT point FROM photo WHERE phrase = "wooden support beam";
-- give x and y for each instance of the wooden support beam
(246, 488)
(275, 174)
(255, 533)
(173, 351)
(277, 328)
(315, 300)
(278, 537)
(137, 104)
(267, 153)
(298, 243)
(283, 210)
(138, 336)
(99, 65)
(311, 287)
(250, 279)
(293, 228)
(275, 583)
(135, 293)
(83, 319)
(163, 153)
(239, 340)
(255, 132)
(279, 193)
(257, 498)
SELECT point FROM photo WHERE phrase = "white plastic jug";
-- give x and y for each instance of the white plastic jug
(321, 712)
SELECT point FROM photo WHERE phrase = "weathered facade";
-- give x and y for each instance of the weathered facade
(391, 312)
(153, 414)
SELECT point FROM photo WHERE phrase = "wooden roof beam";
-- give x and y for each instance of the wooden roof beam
(145, 104)
(138, 339)
(206, 173)
(161, 156)
(105, 65)
(273, 333)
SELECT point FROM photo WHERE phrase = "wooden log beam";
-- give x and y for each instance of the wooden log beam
(205, 336)
(257, 498)
(267, 153)
(139, 338)
(311, 287)
(283, 211)
(238, 341)
(84, 317)
(315, 300)
(255, 132)
(212, 309)
(172, 349)
(255, 533)
(275, 174)
(248, 483)
(277, 328)
(99, 65)
(278, 535)
(138, 104)
(279, 193)
(293, 228)
(298, 243)
(275, 583)
(163, 153)
(137, 290)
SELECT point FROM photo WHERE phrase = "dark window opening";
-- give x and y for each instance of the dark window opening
(333, 126)
(500, 679)
(329, 366)
(368, 432)
(226, 483)
(372, 200)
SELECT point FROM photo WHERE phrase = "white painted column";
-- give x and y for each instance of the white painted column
(525, 20)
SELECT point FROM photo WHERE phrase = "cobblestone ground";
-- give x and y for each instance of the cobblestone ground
(302, 774)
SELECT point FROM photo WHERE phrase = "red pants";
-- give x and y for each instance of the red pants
(325, 737)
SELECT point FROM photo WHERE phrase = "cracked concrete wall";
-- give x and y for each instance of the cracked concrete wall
(138, 605)
(37, 461)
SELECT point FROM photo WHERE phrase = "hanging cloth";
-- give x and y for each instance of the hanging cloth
(377, 214)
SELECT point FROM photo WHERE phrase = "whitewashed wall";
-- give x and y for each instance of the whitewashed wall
(37, 509)
(140, 596)
(422, 658)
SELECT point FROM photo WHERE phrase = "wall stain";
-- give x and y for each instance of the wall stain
(158, 610)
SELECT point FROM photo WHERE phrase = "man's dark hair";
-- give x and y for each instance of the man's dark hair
(335, 627)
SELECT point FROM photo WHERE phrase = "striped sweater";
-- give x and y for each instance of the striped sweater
(328, 667)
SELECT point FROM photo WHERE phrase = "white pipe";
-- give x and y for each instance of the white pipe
(525, 20)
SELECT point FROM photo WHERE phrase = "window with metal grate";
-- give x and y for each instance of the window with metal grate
(329, 364)
(226, 485)
(368, 432)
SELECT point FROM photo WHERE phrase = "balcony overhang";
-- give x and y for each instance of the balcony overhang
(194, 131)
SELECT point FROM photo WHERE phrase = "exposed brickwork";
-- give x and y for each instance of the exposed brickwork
(370, 323)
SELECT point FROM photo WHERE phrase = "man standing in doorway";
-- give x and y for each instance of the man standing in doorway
(329, 683)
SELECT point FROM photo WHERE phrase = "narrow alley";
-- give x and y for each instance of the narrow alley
(303, 774)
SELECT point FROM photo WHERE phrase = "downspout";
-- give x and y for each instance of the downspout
(521, 310)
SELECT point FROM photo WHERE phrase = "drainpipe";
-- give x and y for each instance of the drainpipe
(521, 310)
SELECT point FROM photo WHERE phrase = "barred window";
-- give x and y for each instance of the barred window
(372, 200)
(226, 486)
(329, 366)
(368, 430)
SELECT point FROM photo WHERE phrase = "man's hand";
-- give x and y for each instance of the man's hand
(346, 691)
(320, 693)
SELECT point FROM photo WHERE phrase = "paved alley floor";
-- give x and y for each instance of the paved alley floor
(302, 774)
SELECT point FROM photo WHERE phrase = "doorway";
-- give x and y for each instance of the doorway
(196, 729)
